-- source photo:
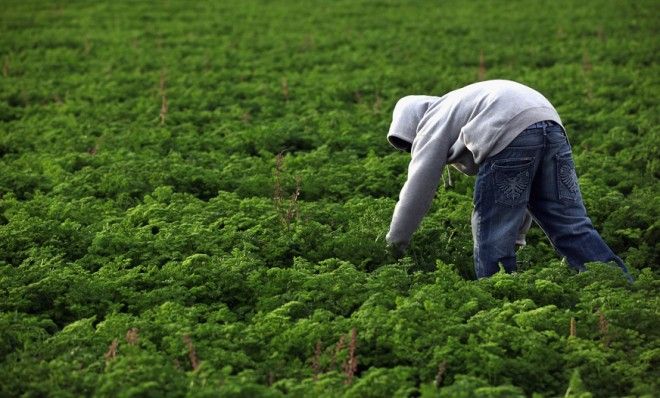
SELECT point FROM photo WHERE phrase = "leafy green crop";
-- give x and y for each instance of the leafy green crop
(194, 198)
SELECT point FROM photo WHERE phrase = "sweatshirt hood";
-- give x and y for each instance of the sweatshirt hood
(408, 112)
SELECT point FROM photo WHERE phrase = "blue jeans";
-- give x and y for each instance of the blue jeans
(534, 173)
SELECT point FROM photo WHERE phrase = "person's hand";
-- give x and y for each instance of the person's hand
(392, 250)
(395, 251)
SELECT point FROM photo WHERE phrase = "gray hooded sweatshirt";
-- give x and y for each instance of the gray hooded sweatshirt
(463, 128)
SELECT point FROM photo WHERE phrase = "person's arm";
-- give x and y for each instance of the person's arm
(429, 155)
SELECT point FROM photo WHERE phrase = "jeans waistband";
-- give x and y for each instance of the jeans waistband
(545, 123)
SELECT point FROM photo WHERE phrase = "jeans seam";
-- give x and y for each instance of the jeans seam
(477, 253)
(479, 196)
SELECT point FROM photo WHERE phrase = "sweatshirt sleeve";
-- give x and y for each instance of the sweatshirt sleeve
(429, 155)
(524, 228)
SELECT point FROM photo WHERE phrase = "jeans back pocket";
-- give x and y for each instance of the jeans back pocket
(513, 178)
(567, 183)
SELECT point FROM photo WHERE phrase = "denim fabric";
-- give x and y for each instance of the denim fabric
(536, 173)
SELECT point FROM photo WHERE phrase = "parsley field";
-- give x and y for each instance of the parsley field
(194, 198)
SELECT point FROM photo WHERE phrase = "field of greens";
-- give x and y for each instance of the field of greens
(194, 198)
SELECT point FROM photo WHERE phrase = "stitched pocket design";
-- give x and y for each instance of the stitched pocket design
(567, 183)
(512, 179)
